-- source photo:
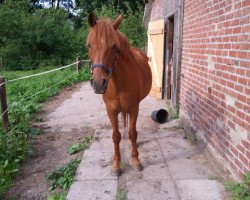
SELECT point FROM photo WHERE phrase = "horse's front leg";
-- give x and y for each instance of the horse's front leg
(113, 116)
(133, 114)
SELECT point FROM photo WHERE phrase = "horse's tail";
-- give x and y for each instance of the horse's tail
(125, 119)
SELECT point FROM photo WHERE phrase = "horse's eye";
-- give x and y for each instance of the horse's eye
(88, 46)
(114, 46)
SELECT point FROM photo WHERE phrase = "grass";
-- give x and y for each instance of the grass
(240, 191)
(120, 195)
(22, 103)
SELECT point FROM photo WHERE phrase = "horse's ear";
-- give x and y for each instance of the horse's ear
(92, 19)
(117, 21)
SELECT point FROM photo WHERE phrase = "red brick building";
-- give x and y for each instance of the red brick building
(205, 70)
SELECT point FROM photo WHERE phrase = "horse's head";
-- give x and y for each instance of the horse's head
(103, 46)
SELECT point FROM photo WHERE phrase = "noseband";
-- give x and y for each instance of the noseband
(105, 68)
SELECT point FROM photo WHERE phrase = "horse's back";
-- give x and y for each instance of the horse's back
(144, 72)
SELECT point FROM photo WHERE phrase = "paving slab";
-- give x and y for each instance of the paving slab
(171, 168)
(188, 169)
(93, 190)
(151, 189)
(199, 189)
(150, 172)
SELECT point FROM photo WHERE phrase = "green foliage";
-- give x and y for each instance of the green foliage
(120, 195)
(240, 191)
(74, 148)
(57, 196)
(35, 37)
(90, 5)
(64, 176)
(45, 37)
(132, 24)
(14, 146)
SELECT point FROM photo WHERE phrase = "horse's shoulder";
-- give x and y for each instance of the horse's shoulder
(139, 52)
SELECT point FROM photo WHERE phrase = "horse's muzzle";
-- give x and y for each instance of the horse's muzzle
(100, 87)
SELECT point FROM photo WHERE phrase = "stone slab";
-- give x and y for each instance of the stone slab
(151, 190)
(187, 169)
(199, 189)
(93, 190)
(96, 157)
(151, 172)
(95, 172)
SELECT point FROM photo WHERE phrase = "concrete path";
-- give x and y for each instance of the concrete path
(173, 168)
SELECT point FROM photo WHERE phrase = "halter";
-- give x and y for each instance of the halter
(105, 68)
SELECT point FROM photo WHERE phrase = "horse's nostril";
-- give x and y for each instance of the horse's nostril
(104, 83)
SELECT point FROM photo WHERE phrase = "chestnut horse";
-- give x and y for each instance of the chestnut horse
(122, 75)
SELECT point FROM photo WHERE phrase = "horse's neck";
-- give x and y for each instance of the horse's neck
(121, 70)
(120, 76)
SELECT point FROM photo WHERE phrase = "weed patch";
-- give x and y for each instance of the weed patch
(57, 196)
(217, 178)
(74, 148)
(120, 195)
(240, 191)
(173, 114)
(190, 135)
(64, 176)
(179, 126)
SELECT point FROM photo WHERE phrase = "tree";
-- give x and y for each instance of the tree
(31, 32)
(42, 34)
(91, 5)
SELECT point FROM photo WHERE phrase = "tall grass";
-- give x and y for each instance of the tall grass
(24, 98)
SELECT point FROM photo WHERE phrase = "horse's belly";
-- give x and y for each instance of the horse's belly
(121, 104)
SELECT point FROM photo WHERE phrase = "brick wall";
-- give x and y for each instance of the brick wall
(215, 80)
(156, 12)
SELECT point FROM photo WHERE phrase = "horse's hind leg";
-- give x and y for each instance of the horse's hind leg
(136, 164)
(115, 171)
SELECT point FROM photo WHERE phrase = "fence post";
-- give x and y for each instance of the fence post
(78, 65)
(3, 100)
(1, 64)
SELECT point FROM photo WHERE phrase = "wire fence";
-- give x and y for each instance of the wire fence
(41, 91)
(29, 64)
(34, 95)
(42, 73)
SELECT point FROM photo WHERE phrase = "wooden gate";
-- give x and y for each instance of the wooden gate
(156, 55)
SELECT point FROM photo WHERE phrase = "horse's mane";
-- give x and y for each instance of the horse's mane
(104, 33)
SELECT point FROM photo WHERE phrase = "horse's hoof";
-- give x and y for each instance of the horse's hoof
(114, 172)
(137, 168)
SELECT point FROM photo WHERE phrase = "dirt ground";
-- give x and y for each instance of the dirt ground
(50, 153)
